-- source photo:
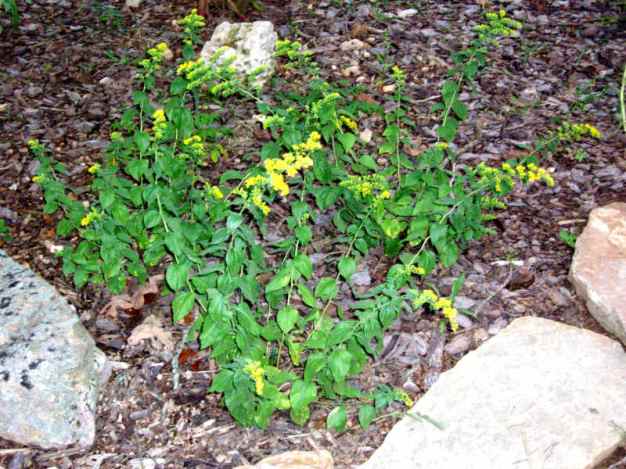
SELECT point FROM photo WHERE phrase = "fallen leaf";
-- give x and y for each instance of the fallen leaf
(135, 302)
(152, 328)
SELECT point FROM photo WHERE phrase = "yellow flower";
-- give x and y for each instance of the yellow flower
(94, 168)
(277, 181)
(32, 143)
(405, 398)
(350, 123)
(217, 193)
(255, 371)
(254, 181)
(89, 218)
(451, 315)
(38, 179)
(257, 200)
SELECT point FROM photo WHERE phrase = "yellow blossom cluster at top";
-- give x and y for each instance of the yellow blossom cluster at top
(569, 132)
(504, 177)
(90, 217)
(256, 372)
(498, 24)
(349, 123)
(372, 187)
(94, 168)
(443, 304)
(275, 171)
(160, 123)
(191, 23)
(156, 54)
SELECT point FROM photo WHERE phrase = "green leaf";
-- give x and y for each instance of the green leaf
(233, 222)
(326, 289)
(314, 364)
(281, 280)
(182, 305)
(457, 285)
(304, 265)
(448, 130)
(142, 140)
(304, 234)
(151, 218)
(302, 394)
(137, 168)
(369, 162)
(449, 91)
(347, 267)
(176, 275)
(178, 86)
(367, 413)
(337, 419)
(341, 332)
(287, 318)
(347, 140)
(460, 109)
(339, 363)
(306, 295)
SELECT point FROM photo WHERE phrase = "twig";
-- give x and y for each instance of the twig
(4, 452)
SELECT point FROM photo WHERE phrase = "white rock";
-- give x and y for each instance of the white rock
(251, 44)
(133, 3)
(407, 13)
(541, 394)
(50, 368)
(366, 136)
(598, 270)
(352, 44)
(389, 88)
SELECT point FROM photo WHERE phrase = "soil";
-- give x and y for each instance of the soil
(66, 74)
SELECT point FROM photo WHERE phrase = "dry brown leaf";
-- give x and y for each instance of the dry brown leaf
(152, 328)
(135, 302)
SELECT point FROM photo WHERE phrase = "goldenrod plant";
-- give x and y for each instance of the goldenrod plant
(283, 342)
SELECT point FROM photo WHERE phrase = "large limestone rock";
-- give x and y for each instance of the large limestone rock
(540, 394)
(598, 270)
(50, 369)
(251, 44)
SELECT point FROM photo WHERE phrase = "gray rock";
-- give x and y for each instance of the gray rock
(251, 45)
(50, 369)
(540, 394)
(459, 344)
(598, 270)
(407, 13)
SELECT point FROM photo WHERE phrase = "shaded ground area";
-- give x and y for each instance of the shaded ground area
(66, 75)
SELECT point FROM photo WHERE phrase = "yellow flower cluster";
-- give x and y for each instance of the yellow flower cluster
(39, 179)
(372, 187)
(413, 269)
(190, 23)
(350, 123)
(33, 144)
(90, 217)
(503, 178)
(94, 168)
(443, 304)
(156, 53)
(215, 192)
(195, 145)
(255, 371)
(574, 132)
(160, 123)
(404, 397)
(276, 169)
(498, 24)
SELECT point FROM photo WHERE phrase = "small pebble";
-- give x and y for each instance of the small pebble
(459, 344)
